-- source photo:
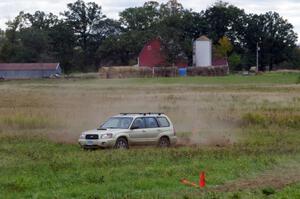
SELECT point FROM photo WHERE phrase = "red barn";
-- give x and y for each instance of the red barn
(152, 55)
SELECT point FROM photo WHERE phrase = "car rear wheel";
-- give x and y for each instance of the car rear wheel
(121, 143)
(164, 142)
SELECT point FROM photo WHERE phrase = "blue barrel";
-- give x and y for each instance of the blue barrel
(182, 72)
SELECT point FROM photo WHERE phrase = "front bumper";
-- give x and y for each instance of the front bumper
(101, 143)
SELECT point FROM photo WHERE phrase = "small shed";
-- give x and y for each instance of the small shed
(29, 70)
(153, 55)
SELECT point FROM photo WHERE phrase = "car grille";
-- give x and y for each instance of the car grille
(92, 137)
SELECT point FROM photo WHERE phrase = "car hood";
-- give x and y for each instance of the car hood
(100, 132)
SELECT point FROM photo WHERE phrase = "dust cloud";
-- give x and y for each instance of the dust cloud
(197, 119)
(200, 117)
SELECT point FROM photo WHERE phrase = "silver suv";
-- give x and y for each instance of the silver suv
(126, 129)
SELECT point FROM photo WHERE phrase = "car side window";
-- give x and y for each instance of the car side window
(139, 122)
(163, 122)
(151, 122)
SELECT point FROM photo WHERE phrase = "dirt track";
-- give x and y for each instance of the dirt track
(277, 178)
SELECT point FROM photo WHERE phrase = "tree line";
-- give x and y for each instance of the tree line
(82, 38)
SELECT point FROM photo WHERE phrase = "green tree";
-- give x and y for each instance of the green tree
(38, 37)
(137, 26)
(11, 44)
(234, 61)
(171, 8)
(293, 62)
(62, 41)
(85, 18)
(275, 36)
(40, 20)
(2, 40)
(224, 47)
(140, 18)
(224, 19)
(178, 28)
(27, 38)
(33, 46)
(170, 31)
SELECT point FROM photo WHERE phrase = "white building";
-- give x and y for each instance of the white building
(202, 52)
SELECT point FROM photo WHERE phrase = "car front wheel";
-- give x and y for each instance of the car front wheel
(121, 143)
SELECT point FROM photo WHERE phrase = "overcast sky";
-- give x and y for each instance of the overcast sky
(289, 9)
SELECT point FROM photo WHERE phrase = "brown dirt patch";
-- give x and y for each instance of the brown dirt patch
(277, 179)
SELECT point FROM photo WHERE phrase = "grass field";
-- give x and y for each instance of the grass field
(244, 132)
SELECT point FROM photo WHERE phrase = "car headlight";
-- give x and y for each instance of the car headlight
(82, 136)
(106, 136)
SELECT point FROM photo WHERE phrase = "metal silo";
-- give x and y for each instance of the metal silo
(202, 52)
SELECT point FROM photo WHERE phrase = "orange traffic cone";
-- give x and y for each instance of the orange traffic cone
(202, 180)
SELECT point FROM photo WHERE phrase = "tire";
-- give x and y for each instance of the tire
(121, 143)
(164, 142)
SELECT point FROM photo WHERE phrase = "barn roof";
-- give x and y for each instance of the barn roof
(28, 66)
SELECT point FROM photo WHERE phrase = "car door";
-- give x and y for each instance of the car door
(152, 128)
(138, 131)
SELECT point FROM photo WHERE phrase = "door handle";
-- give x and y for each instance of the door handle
(144, 131)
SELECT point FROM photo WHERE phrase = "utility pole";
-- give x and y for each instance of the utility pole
(257, 57)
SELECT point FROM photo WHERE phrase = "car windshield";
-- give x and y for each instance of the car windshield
(117, 123)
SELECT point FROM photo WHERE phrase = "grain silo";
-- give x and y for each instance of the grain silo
(202, 50)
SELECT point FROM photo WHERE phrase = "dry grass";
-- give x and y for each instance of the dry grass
(284, 119)
(24, 122)
(209, 112)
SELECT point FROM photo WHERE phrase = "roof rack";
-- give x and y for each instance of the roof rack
(141, 113)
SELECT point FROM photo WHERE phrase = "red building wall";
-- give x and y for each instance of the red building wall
(153, 56)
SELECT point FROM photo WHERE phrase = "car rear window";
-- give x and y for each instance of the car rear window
(163, 122)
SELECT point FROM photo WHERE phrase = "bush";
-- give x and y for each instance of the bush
(268, 191)
(234, 62)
